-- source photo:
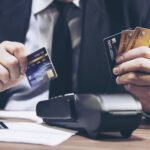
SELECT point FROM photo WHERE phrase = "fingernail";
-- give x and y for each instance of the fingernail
(117, 80)
(116, 71)
(119, 59)
(127, 87)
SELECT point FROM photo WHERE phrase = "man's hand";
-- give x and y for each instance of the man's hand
(13, 64)
(133, 71)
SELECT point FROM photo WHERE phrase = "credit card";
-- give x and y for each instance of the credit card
(126, 36)
(40, 68)
(111, 44)
(141, 37)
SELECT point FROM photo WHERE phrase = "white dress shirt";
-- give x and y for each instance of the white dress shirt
(43, 18)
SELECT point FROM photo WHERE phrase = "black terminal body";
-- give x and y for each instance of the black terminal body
(92, 113)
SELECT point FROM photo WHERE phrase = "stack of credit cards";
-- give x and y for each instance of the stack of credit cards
(125, 41)
(40, 68)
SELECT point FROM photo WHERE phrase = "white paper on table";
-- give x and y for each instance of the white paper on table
(27, 115)
(33, 133)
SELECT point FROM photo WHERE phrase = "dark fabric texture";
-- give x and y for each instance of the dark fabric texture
(101, 18)
(62, 53)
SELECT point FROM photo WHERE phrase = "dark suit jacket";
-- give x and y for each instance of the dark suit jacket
(101, 18)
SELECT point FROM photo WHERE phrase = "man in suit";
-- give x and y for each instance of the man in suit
(89, 21)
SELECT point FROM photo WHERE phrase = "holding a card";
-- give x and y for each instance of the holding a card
(133, 66)
(72, 33)
(129, 58)
(13, 64)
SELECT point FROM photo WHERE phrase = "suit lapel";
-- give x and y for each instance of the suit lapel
(93, 72)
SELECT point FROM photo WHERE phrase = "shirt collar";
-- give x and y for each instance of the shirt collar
(77, 3)
(40, 5)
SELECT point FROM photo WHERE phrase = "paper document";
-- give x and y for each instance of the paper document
(27, 115)
(26, 132)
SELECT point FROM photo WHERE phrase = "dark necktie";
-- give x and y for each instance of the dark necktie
(62, 53)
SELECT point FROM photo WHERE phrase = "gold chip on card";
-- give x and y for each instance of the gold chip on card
(50, 73)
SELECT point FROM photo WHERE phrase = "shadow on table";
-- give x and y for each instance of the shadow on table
(145, 124)
(114, 137)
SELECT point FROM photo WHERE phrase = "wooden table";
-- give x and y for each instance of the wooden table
(140, 140)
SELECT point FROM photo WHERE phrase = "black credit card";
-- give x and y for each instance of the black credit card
(111, 44)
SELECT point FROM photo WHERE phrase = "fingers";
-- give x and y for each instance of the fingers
(134, 78)
(4, 75)
(142, 93)
(18, 50)
(11, 83)
(140, 52)
(1, 86)
(137, 64)
(135, 60)
(13, 63)
(133, 72)
(10, 63)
